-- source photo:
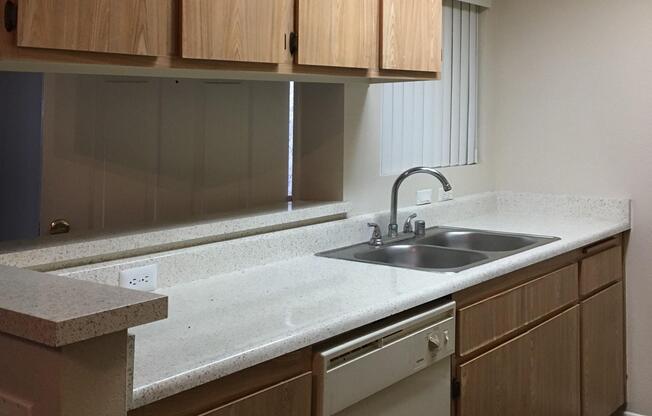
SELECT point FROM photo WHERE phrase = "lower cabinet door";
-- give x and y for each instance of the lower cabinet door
(535, 374)
(603, 357)
(289, 398)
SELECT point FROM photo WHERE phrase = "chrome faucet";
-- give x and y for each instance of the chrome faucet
(393, 225)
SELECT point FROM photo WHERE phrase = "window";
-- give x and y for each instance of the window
(434, 123)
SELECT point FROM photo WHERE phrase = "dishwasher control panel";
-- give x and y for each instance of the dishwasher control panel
(439, 342)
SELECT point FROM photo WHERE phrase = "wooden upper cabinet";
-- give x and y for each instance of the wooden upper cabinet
(237, 30)
(340, 33)
(134, 27)
(411, 35)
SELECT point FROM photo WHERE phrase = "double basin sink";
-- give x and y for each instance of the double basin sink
(442, 249)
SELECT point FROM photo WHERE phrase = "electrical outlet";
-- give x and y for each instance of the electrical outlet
(140, 278)
(424, 197)
(445, 196)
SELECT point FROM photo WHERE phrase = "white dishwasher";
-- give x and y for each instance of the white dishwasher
(399, 368)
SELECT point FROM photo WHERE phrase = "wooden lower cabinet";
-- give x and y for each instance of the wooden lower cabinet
(289, 398)
(282, 386)
(536, 373)
(603, 357)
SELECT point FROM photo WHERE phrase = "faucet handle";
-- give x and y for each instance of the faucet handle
(377, 236)
(407, 227)
(419, 228)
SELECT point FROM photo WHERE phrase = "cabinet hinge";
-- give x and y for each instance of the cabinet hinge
(456, 388)
(294, 43)
(11, 16)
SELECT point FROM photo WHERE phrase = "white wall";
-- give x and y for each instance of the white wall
(570, 110)
(364, 188)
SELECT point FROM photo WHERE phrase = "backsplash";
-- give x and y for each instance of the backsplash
(179, 266)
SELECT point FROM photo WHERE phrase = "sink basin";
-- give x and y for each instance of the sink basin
(441, 249)
(479, 241)
(421, 257)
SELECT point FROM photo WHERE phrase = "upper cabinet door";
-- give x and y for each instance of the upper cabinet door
(412, 32)
(342, 33)
(134, 27)
(236, 30)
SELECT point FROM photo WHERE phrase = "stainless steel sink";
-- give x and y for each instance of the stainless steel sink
(479, 240)
(422, 257)
(442, 249)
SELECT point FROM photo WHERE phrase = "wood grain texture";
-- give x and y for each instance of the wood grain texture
(236, 30)
(491, 319)
(477, 293)
(603, 367)
(231, 388)
(160, 160)
(601, 269)
(14, 58)
(411, 35)
(289, 398)
(341, 33)
(536, 373)
(133, 27)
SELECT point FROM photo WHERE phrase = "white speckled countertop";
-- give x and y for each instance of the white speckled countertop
(235, 320)
(57, 311)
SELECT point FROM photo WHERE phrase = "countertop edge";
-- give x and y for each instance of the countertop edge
(55, 311)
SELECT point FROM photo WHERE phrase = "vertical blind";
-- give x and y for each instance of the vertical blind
(434, 123)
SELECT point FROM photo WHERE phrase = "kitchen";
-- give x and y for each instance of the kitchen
(523, 288)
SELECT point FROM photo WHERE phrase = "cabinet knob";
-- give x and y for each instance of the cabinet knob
(59, 226)
(11, 16)
(434, 342)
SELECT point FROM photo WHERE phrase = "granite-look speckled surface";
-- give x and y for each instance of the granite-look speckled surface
(56, 255)
(201, 262)
(57, 311)
(562, 205)
(232, 321)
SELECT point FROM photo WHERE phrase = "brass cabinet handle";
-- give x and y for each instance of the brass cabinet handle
(59, 226)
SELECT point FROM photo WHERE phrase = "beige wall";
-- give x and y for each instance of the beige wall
(364, 188)
(570, 110)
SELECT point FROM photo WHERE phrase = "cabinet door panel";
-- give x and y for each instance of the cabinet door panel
(290, 398)
(555, 375)
(342, 33)
(603, 373)
(412, 33)
(236, 30)
(134, 27)
(536, 373)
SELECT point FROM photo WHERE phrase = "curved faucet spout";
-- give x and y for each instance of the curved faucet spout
(393, 224)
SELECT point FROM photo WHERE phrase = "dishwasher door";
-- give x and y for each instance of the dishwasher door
(403, 368)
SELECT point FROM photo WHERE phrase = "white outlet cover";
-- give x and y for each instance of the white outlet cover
(424, 197)
(143, 278)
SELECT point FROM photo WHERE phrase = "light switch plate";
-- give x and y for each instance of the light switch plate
(424, 197)
(143, 278)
